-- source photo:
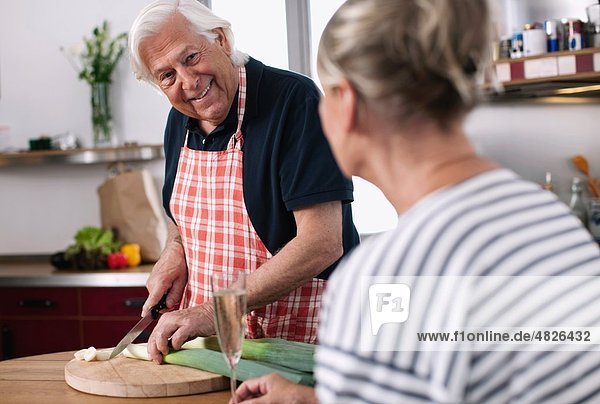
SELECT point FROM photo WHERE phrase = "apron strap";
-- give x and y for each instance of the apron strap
(237, 140)
(187, 132)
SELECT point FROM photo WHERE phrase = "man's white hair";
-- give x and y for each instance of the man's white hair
(150, 20)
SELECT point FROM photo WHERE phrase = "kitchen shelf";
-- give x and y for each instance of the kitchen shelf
(83, 156)
(558, 77)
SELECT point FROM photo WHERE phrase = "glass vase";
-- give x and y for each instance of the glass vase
(101, 115)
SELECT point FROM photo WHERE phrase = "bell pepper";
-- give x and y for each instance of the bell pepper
(116, 260)
(132, 253)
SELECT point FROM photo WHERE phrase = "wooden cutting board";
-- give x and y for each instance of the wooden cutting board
(126, 377)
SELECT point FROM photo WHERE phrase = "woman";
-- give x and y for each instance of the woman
(399, 78)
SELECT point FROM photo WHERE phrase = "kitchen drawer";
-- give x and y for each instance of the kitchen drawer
(32, 301)
(108, 333)
(28, 337)
(113, 301)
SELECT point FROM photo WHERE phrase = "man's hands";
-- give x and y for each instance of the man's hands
(274, 389)
(177, 327)
(168, 275)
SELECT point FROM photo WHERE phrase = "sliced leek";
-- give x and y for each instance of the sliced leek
(92, 354)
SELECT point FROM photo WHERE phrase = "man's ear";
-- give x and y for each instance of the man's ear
(348, 99)
(222, 40)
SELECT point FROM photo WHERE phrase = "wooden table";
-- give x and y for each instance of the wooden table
(41, 379)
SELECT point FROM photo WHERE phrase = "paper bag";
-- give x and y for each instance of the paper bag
(129, 204)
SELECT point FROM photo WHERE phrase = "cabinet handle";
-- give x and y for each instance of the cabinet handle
(134, 302)
(36, 303)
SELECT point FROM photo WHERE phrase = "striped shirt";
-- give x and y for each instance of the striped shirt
(494, 224)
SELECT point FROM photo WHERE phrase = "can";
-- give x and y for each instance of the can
(504, 48)
(574, 32)
(552, 32)
(593, 36)
(534, 40)
(516, 45)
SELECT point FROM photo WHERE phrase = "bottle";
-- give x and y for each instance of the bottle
(577, 206)
(594, 219)
(548, 185)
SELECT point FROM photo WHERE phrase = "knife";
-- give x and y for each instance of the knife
(140, 326)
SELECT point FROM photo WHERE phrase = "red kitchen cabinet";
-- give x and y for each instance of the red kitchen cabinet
(113, 301)
(38, 302)
(37, 320)
(108, 333)
(35, 337)
(108, 313)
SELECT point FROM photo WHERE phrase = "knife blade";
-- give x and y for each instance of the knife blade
(140, 326)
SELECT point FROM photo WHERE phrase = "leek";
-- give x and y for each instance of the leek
(290, 354)
(292, 360)
(213, 361)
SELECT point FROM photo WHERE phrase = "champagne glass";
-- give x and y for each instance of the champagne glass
(229, 297)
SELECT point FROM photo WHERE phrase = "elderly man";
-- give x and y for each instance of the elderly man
(250, 181)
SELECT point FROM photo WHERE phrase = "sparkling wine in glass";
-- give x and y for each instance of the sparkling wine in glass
(229, 296)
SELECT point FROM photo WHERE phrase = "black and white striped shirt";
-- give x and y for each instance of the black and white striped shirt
(494, 224)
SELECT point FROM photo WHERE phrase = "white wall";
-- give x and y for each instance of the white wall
(40, 91)
(533, 139)
(42, 207)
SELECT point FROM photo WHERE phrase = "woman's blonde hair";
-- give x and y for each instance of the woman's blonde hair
(409, 58)
(202, 20)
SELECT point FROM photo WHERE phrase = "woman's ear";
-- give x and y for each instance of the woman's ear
(348, 99)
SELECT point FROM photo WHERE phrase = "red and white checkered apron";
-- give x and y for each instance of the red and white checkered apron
(208, 206)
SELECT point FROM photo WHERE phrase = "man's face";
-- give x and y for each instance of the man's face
(195, 74)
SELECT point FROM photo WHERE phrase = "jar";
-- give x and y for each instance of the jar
(534, 40)
(573, 29)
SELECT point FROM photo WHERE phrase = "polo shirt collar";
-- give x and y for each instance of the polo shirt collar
(254, 71)
(230, 121)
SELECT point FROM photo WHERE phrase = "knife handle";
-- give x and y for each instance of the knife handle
(161, 305)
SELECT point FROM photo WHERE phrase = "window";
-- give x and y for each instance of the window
(373, 213)
(264, 39)
(320, 13)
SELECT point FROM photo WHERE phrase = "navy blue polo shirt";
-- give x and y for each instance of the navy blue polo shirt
(288, 163)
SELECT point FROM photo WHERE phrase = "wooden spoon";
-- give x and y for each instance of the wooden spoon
(582, 165)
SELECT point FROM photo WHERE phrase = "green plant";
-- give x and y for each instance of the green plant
(97, 60)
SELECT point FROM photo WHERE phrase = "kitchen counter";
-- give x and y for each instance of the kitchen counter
(25, 273)
(40, 379)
